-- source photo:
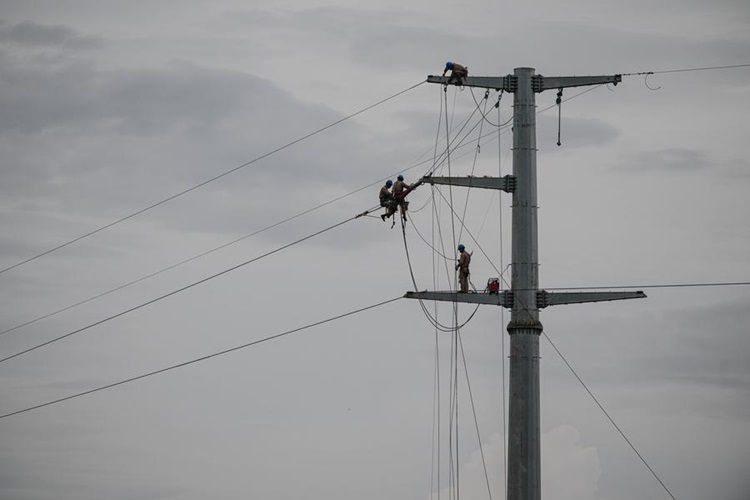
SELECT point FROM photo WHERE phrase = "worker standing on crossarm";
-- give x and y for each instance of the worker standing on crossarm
(463, 268)
(387, 199)
(458, 72)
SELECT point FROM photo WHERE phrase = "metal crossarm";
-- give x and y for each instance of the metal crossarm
(504, 298)
(541, 83)
(545, 299)
(506, 183)
(508, 83)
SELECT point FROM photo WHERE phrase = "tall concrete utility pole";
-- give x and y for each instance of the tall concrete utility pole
(524, 297)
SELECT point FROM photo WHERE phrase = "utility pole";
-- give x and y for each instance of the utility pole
(524, 298)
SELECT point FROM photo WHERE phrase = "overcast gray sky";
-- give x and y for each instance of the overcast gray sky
(109, 107)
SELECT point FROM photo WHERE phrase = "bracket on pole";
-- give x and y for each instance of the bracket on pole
(508, 83)
(544, 298)
(506, 183)
(541, 83)
(504, 298)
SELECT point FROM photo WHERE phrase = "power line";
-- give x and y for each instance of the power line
(177, 195)
(685, 70)
(203, 358)
(174, 292)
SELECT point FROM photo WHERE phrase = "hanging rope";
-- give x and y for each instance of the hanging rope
(558, 101)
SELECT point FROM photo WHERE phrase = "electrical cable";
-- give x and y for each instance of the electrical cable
(684, 70)
(193, 188)
(476, 155)
(433, 321)
(174, 292)
(196, 360)
(497, 105)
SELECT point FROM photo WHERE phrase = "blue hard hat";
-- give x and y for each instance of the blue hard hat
(449, 65)
(389, 183)
(461, 248)
(401, 177)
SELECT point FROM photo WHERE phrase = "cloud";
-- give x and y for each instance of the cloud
(36, 35)
(574, 132)
(694, 333)
(668, 160)
(87, 135)
(570, 470)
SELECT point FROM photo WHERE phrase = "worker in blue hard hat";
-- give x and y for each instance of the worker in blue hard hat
(387, 200)
(457, 71)
(462, 267)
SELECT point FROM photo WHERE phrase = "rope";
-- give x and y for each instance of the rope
(502, 311)
(474, 163)
(474, 413)
(433, 321)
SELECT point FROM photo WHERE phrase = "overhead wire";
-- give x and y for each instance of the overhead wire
(212, 179)
(197, 360)
(436, 421)
(685, 70)
(497, 105)
(175, 292)
(434, 321)
(476, 155)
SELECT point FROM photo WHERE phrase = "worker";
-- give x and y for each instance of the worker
(457, 71)
(463, 268)
(400, 190)
(387, 200)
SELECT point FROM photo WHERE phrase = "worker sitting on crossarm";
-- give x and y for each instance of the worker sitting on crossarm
(387, 200)
(400, 190)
